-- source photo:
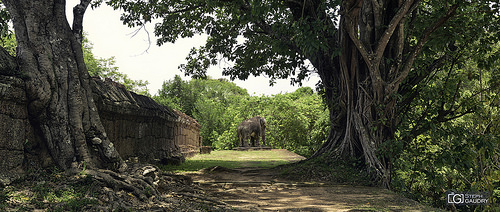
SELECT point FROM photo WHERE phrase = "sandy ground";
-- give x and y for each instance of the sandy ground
(257, 189)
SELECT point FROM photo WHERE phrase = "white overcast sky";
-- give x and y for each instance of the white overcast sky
(111, 38)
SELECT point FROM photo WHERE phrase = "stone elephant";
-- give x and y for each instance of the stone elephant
(250, 130)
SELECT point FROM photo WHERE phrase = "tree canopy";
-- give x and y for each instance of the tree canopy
(296, 121)
(410, 86)
(375, 58)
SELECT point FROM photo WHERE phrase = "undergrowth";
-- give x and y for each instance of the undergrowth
(327, 169)
(52, 191)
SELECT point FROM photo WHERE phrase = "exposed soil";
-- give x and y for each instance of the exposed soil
(258, 189)
(211, 189)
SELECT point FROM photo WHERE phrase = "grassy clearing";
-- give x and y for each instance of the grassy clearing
(231, 159)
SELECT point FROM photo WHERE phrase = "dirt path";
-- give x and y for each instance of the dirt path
(257, 189)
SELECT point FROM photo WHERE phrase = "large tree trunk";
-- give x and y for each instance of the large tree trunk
(49, 52)
(362, 111)
(361, 84)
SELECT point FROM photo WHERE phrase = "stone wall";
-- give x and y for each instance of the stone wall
(140, 129)
(15, 129)
(187, 134)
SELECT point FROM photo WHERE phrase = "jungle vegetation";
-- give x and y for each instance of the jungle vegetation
(376, 59)
(460, 155)
(296, 121)
(410, 87)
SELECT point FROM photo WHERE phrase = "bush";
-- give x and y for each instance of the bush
(296, 121)
(445, 159)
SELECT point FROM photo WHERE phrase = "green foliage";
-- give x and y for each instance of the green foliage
(297, 121)
(258, 36)
(52, 190)
(7, 39)
(105, 68)
(8, 42)
(183, 95)
(449, 158)
(209, 101)
(175, 94)
(449, 126)
(451, 135)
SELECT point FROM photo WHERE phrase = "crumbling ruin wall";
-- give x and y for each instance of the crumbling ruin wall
(187, 134)
(20, 147)
(15, 129)
(141, 129)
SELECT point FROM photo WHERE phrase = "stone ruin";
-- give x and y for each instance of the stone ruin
(17, 135)
(141, 129)
(187, 134)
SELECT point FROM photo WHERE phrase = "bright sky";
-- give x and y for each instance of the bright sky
(111, 38)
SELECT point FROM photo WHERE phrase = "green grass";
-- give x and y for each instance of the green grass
(50, 190)
(230, 159)
(66, 198)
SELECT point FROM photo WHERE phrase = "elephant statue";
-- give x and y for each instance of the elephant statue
(250, 131)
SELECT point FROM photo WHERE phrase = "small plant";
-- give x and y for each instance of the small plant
(41, 190)
(53, 191)
(148, 191)
(84, 168)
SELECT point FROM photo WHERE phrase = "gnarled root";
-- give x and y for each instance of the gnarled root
(146, 187)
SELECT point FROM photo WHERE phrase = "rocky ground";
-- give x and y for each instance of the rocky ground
(210, 189)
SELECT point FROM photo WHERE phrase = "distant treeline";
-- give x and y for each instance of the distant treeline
(296, 121)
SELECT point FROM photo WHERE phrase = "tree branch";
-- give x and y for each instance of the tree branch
(386, 36)
(350, 29)
(394, 85)
(415, 80)
(78, 12)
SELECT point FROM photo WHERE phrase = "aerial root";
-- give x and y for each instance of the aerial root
(137, 181)
(143, 187)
